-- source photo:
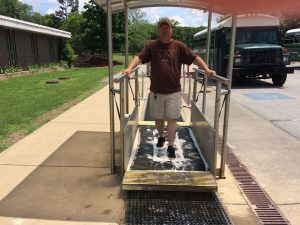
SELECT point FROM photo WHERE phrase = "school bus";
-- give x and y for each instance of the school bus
(292, 43)
(258, 54)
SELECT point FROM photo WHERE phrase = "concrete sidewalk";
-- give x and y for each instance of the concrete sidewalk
(60, 174)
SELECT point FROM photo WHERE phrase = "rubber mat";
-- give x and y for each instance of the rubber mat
(149, 157)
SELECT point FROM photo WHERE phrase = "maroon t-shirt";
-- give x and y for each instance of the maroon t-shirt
(166, 60)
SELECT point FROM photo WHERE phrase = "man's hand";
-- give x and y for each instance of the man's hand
(127, 71)
(210, 73)
(134, 62)
(200, 63)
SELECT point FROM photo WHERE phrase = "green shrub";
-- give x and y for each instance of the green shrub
(31, 68)
(68, 54)
(63, 63)
(10, 69)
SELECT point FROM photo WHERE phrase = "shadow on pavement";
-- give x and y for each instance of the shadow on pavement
(74, 183)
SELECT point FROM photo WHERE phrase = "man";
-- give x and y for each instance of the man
(166, 56)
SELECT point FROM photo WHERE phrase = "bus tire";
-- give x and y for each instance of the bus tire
(234, 80)
(279, 80)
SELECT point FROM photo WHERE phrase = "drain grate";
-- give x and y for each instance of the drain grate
(145, 208)
(265, 209)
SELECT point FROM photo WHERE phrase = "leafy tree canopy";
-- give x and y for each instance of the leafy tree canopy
(16, 9)
(66, 8)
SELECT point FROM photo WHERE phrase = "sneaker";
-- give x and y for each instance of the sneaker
(160, 142)
(171, 152)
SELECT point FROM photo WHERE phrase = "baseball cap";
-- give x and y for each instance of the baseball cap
(164, 20)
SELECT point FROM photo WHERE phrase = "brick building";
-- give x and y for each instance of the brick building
(23, 43)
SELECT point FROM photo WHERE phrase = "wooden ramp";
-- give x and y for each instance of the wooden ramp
(152, 180)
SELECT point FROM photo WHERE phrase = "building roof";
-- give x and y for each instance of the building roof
(258, 20)
(32, 27)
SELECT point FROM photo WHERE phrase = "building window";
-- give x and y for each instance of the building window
(34, 49)
(11, 47)
(51, 49)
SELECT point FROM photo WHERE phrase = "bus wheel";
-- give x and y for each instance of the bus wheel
(235, 80)
(279, 80)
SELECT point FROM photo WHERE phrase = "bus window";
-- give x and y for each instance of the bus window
(289, 39)
(297, 38)
(256, 36)
(228, 37)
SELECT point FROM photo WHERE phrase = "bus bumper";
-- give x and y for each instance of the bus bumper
(262, 70)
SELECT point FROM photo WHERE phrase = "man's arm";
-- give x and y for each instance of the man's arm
(200, 63)
(134, 62)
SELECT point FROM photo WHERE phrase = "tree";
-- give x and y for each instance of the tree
(37, 18)
(135, 16)
(138, 30)
(288, 20)
(94, 34)
(51, 20)
(118, 34)
(186, 34)
(175, 23)
(75, 6)
(223, 17)
(138, 35)
(66, 8)
(15, 9)
(68, 54)
(95, 30)
(76, 25)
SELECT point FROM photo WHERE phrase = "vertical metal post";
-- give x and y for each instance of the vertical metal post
(148, 69)
(111, 86)
(207, 58)
(216, 120)
(190, 79)
(195, 86)
(126, 60)
(204, 94)
(227, 104)
(184, 76)
(208, 40)
(136, 87)
(142, 94)
(122, 122)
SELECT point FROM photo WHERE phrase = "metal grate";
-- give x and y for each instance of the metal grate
(265, 209)
(145, 208)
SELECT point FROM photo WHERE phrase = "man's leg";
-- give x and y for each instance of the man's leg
(160, 125)
(172, 128)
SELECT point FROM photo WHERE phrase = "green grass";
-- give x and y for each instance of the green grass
(121, 57)
(25, 99)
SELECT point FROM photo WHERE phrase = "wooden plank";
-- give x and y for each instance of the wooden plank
(169, 180)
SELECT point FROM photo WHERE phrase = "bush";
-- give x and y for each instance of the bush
(63, 63)
(10, 69)
(32, 68)
(68, 54)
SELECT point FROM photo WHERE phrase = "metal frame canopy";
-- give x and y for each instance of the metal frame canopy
(233, 7)
(217, 6)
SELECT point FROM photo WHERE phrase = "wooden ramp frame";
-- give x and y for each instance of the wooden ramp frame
(152, 180)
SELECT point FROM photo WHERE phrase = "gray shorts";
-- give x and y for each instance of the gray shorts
(165, 106)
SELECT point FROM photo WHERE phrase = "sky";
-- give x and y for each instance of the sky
(185, 16)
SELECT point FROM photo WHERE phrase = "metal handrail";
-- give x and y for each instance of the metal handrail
(201, 76)
(213, 77)
(120, 76)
